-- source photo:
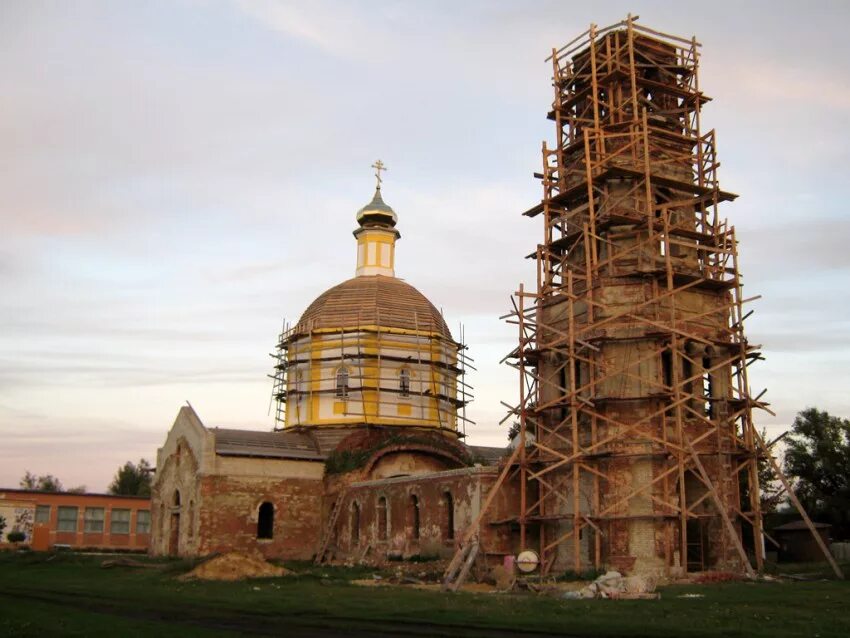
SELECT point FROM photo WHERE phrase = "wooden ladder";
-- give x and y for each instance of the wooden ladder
(458, 569)
(336, 508)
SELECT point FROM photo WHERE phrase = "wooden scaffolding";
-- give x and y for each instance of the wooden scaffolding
(637, 447)
(437, 388)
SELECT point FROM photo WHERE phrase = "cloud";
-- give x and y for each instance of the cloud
(808, 244)
(314, 23)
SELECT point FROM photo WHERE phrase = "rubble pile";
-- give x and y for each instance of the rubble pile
(235, 566)
(614, 585)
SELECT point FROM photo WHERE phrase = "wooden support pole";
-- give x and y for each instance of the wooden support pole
(721, 509)
(799, 506)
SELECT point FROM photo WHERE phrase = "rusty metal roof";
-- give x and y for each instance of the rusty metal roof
(489, 454)
(279, 445)
(376, 300)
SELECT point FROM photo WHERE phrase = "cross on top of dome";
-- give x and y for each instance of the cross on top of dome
(379, 166)
(377, 212)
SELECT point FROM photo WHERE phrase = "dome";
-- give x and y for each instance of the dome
(377, 300)
(377, 211)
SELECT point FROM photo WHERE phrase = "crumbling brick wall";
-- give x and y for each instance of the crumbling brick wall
(424, 515)
(230, 515)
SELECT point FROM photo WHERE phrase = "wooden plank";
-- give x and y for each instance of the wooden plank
(779, 474)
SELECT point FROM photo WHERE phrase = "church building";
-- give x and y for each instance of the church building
(369, 462)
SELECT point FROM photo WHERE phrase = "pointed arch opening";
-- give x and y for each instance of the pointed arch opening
(449, 517)
(355, 523)
(383, 518)
(413, 516)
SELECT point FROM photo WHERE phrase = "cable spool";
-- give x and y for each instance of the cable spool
(527, 561)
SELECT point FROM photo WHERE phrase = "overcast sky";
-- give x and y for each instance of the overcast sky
(176, 178)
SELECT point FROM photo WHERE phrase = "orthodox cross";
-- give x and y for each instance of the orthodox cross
(379, 166)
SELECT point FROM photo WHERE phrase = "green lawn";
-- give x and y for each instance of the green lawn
(67, 594)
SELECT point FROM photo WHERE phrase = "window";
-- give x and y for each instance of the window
(383, 517)
(404, 382)
(190, 530)
(93, 520)
(414, 516)
(707, 387)
(265, 521)
(449, 530)
(119, 522)
(143, 522)
(176, 498)
(667, 368)
(355, 523)
(342, 383)
(42, 513)
(67, 519)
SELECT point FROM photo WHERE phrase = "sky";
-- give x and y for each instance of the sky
(178, 178)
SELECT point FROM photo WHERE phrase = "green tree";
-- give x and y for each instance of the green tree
(43, 483)
(818, 459)
(513, 431)
(132, 480)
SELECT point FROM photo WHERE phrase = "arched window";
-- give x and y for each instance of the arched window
(176, 500)
(265, 521)
(383, 519)
(191, 516)
(449, 504)
(342, 383)
(404, 382)
(414, 516)
(355, 523)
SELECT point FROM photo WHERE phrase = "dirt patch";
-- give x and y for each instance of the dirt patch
(716, 577)
(476, 588)
(235, 566)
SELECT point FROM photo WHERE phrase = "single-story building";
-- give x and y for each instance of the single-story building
(796, 543)
(77, 521)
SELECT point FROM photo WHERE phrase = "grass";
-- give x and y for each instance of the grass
(71, 595)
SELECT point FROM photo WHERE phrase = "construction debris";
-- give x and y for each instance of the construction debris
(615, 585)
(235, 566)
(128, 562)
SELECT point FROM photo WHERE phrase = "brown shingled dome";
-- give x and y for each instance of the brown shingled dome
(373, 300)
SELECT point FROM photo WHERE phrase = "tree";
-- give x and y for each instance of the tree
(513, 431)
(132, 480)
(29, 481)
(43, 483)
(818, 459)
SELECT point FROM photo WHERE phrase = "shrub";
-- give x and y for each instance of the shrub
(16, 536)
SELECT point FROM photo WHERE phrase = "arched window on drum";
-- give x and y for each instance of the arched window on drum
(342, 379)
(404, 382)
